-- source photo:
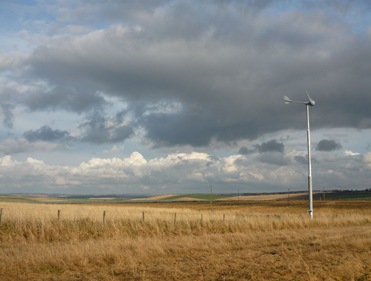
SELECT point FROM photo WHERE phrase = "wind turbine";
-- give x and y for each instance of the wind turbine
(309, 103)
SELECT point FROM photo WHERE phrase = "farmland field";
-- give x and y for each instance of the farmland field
(252, 240)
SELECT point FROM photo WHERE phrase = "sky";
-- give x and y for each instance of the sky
(157, 97)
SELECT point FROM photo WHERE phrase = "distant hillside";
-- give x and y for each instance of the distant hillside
(119, 198)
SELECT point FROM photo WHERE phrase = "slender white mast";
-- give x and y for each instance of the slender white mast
(310, 190)
(311, 102)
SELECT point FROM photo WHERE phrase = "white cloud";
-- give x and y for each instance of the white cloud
(351, 153)
(177, 171)
(7, 161)
(367, 160)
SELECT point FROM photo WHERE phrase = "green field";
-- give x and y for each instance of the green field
(196, 196)
(115, 199)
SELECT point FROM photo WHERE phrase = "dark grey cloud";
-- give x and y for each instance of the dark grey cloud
(269, 146)
(301, 159)
(272, 152)
(100, 129)
(228, 69)
(6, 111)
(244, 150)
(70, 99)
(183, 72)
(180, 128)
(328, 145)
(45, 133)
(274, 158)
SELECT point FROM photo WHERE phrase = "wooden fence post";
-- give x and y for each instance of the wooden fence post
(104, 216)
(223, 217)
(143, 216)
(59, 215)
(174, 219)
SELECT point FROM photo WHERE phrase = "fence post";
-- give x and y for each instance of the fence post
(201, 218)
(59, 215)
(104, 216)
(223, 217)
(174, 219)
(1, 214)
(142, 216)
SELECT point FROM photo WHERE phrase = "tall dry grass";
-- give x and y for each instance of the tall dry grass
(199, 243)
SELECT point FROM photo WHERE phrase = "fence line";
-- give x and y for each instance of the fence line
(106, 213)
(176, 217)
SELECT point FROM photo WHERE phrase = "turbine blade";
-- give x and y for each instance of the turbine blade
(287, 99)
(312, 102)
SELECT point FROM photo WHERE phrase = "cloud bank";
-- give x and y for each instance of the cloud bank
(186, 76)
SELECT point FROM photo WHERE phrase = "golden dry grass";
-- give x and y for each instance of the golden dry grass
(265, 241)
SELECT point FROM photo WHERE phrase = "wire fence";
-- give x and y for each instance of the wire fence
(20, 212)
(109, 213)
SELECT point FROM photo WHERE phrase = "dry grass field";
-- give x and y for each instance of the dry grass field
(266, 240)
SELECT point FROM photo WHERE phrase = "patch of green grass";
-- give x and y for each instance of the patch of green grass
(17, 199)
(60, 200)
(90, 201)
(344, 195)
(196, 196)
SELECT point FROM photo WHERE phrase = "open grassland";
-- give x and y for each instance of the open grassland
(263, 240)
(114, 199)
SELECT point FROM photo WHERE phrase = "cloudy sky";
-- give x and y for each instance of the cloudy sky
(168, 96)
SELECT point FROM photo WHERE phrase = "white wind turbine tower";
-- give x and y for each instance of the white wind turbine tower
(309, 103)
